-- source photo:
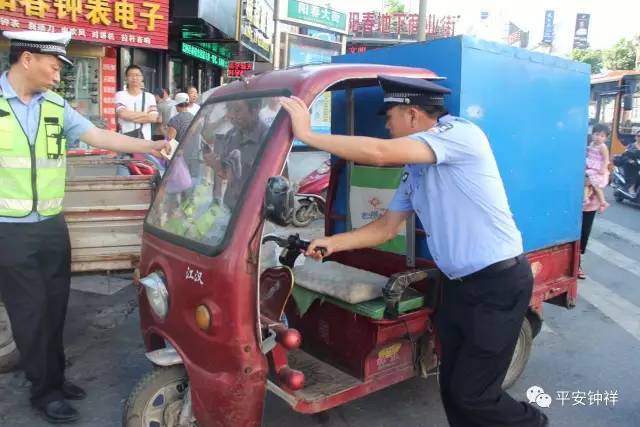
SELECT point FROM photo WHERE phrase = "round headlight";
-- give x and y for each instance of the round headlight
(157, 294)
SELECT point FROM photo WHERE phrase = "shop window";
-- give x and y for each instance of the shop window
(79, 86)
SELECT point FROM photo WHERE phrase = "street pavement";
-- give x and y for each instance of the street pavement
(585, 359)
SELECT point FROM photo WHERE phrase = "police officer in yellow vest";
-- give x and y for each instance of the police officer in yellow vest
(35, 259)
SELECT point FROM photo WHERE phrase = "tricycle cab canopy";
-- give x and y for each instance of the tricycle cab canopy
(241, 137)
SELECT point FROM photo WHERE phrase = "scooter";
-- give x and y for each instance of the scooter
(311, 196)
(619, 182)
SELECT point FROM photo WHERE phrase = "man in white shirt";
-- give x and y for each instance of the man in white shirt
(135, 108)
(192, 108)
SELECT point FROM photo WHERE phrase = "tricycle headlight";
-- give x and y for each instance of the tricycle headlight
(157, 294)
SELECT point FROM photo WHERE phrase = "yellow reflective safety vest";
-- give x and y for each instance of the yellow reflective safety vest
(32, 177)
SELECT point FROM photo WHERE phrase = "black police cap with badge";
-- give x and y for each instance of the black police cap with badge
(41, 42)
(410, 91)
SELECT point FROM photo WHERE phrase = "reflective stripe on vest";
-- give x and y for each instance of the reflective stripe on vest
(32, 176)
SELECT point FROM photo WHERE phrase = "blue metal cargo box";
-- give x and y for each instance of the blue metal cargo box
(533, 108)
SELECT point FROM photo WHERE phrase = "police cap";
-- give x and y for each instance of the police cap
(42, 42)
(410, 91)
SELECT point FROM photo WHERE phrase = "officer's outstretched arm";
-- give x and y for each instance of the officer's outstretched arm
(361, 149)
(373, 234)
(373, 151)
(113, 141)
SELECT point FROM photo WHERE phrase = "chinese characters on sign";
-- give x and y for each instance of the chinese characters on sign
(298, 11)
(236, 69)
(109, 91)
(582, 31)
(208, 52)
(398, 25)
(119, 22)
(547, 36)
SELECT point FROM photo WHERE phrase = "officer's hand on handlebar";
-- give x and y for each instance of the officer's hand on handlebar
(319, 249)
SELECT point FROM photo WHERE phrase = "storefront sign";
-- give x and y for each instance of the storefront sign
(121, 22)
(237, 69)
(299, 12)
(398, 25)
(582, 31)
(547, 36)
(357, 49)
(208, 52)
(109, 87)
(257, 27)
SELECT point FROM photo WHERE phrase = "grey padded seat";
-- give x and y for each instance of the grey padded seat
(339, 281)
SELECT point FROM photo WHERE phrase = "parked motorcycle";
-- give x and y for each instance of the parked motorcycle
(311, 196)
(620, 183)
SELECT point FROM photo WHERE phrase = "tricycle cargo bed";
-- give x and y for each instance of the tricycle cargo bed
(104, 214)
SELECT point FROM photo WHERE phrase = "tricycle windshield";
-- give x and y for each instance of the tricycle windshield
(203, 185)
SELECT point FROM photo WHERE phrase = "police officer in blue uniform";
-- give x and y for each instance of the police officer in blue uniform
(451, 181)
(35, 255)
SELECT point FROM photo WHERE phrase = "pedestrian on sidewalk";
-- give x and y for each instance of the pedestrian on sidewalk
(598, 163)
(136, 109)
(192, 107)
(179, 124)
(593, 201)
(35, 253)
(164, 105)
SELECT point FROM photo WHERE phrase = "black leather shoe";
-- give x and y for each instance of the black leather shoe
(72, 392)
(59, 412)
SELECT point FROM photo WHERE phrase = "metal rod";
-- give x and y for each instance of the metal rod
(422, 21)
(411, 241)
(350, 111)
(348, 93)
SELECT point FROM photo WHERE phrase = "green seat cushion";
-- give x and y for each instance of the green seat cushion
(374, 309)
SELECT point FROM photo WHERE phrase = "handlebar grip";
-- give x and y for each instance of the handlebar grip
(322, 250)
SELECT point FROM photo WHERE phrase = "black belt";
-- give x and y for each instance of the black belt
(493, 268)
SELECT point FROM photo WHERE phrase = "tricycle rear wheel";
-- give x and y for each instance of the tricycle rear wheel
(157, 398)
(520, 355)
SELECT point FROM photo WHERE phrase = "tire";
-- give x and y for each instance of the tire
(157, 398)
(520, 355)
(9, 356)
(303, 215)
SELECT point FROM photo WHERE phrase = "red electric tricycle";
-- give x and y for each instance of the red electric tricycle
(226, 317)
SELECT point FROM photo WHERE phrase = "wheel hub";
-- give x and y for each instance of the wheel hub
(163, 409)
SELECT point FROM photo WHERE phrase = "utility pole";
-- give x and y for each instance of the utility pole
(636, 44)
(422, 21)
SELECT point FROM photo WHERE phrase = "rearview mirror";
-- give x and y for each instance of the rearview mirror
(278, 201)
(627, 102)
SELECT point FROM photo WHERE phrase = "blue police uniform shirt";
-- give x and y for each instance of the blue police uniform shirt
(29, 117)
(460, 200)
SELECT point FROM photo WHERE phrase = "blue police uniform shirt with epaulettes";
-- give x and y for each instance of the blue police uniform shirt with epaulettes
(460, 200)
(29, 117)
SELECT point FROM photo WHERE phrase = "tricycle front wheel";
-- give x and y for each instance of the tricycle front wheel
(157, 399)
(520, 355)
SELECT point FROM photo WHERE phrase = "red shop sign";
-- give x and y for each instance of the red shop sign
(112, 22)
(238, 68)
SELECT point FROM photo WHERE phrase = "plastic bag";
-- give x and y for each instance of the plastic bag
(179, 177)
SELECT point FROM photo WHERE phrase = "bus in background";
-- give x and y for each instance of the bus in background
(615, 102)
